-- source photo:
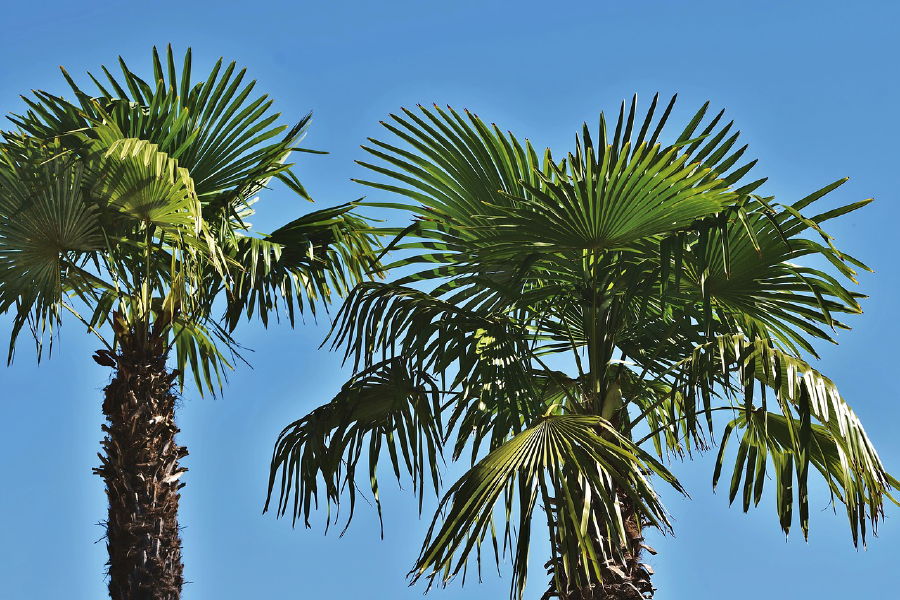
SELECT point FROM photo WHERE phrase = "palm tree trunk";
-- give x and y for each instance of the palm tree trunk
(629, 578)
(622, 579)
(140, 469)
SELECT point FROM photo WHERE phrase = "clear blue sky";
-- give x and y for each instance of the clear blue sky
(812, 85)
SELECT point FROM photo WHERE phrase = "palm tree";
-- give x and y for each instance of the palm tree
(127, 210)
(571, 324)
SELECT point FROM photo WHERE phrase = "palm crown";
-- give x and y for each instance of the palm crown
(674, 290)
(136, 202)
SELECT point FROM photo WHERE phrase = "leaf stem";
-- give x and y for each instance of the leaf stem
(89, 326)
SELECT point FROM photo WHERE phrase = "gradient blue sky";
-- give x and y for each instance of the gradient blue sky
(812, 85)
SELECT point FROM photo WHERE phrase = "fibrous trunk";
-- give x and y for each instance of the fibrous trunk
(141, 472)
(624, 576)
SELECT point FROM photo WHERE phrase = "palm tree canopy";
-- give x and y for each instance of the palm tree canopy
(670, 287)
(134, 202)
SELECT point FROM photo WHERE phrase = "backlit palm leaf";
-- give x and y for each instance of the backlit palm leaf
(807, 401)
(133, 177)
(225, 138)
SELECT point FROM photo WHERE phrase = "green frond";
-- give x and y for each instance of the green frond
(772, 438)
(391, 404)
(133, 177)
(302, 262)
(815, 426)
(200, 351)
(225, 136)
(46, 229)
(571, 461)
(760, 278)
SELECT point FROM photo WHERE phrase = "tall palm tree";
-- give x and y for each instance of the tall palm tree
(570, 324)
(127, 211)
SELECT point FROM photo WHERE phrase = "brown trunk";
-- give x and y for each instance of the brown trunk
(627, 579)
(140, 469)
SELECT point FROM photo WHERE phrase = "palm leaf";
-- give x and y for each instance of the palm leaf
(803, 395)
(568, 455)
(46, 227)
(310, 258)
(390, 404)
(224, 137)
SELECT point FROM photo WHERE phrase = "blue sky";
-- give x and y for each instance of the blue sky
(812, 85)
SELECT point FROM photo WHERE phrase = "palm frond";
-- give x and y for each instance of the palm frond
(309, 259)
(816, 425)
(46, 228)
(391, 404)
(577, 459)
(227, 140)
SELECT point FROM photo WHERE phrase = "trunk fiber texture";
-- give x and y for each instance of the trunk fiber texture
(140, 468)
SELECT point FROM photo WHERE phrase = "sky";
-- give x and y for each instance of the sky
(813, 86)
